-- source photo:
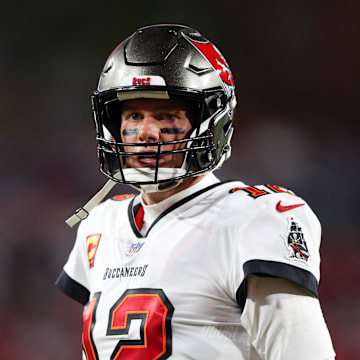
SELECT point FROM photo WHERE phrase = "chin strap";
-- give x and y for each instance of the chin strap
(151, 188)
(132, 174)
(148, 175)
(83, 212)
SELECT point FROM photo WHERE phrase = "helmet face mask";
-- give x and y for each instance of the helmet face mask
(161, 62)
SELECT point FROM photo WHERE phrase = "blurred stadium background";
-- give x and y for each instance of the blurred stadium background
(296, 66)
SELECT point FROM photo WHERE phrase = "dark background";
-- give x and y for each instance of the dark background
(296, 66)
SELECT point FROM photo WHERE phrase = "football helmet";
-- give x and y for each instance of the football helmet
(162, 62)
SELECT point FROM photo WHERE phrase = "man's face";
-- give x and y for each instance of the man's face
(155, 120)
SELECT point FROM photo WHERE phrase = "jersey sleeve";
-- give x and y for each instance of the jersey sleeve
(289, 311)
(280, 240)
(74, 278)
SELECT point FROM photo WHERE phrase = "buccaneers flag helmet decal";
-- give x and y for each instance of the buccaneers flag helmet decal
(218, 62)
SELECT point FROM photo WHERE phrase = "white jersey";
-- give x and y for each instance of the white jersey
(178, 291)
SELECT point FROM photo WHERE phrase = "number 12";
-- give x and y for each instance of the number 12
(155, 311)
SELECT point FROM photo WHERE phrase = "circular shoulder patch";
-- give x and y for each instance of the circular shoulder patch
(123, 196)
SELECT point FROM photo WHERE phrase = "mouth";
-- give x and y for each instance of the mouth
(149, 160)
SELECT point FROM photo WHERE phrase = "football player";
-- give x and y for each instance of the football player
(190, 267)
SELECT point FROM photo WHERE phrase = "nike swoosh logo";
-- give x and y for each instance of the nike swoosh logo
(281, 208)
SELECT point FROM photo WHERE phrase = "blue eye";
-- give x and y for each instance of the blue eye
(134, 116)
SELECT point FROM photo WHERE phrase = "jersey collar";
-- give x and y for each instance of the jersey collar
(153, 213)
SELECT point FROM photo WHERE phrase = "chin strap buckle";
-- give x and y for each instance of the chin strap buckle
(83, 212)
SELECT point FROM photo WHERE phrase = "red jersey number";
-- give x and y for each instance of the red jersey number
(149, 306)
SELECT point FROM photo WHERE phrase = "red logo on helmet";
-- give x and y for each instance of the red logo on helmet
(216, 60)
(141, 81)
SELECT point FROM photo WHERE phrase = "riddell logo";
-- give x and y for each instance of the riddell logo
(141, 81)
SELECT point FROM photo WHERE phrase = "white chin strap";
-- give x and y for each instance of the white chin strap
(148, 175)
(133, 174)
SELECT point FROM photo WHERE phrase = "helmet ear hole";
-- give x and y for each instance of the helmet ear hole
(203, 158)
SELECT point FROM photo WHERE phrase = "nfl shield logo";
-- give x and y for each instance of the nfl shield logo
(134, 248)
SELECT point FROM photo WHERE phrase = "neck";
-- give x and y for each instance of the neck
(155, 197)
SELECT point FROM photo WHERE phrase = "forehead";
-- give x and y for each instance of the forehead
(156, 105)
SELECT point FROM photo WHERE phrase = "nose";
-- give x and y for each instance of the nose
(149, 130)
